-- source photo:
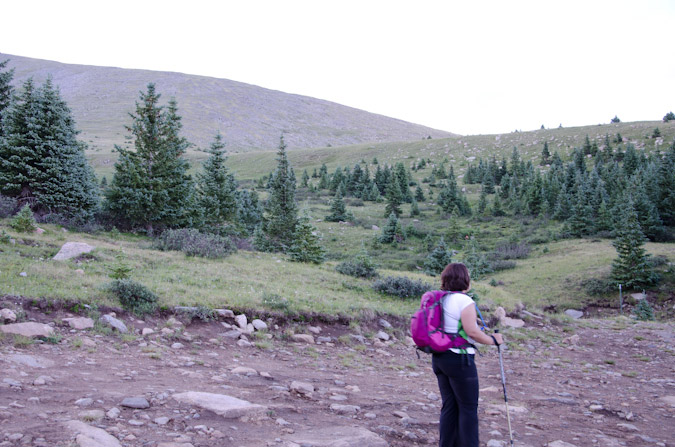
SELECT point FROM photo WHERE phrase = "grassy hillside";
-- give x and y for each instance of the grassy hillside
(249, 117)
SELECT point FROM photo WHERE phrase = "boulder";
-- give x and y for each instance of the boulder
(7, 316)
(303, 338)
(135, 402)
(226, 406)
(80, 323)
(88, 436)
(241, 321)
(303, 388)
(28, 329)
(31, 361)
(576, 314)
(259, 325)
(114, 323)
(512, 322)
(336, 437)
(500, 313)
(72, 249)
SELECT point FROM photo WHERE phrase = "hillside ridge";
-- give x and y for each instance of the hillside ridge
(248, 116)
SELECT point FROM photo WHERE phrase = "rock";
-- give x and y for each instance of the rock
(80, 323)
(336, 437)
(28, 329)
(114, 323)
(23, 274)
(177, 346)
(670, 400)
(383, 336)
(244, 343)
(72, 249)
(175, 444)
(638, 296)
(303, 388)
(560, 444)
(135, 402)
(43, 380)
(627, 427)
(244, 371)
(345, 409)
(225, 313)
(241, 321)
(226, 406)
(31, 361)
(161, 420)
(91, 415)
(573, 340)
(500, 313)
(39, 230)
(7, 315)
(303, 338)
(512, 322)
(384, 323)
(323, 339)
(113, 413)
(172, 322)
(576, 314)
(259, 325)
(495, 443)
(88, 436)
(147, 331)
(232, 335)
(401, 414)
(84, 402)
(375, 228)
(316, 330)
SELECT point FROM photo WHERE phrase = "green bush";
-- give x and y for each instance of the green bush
(362, 267)
(7, 206)
(4, 237)
(133, 296)
(500, 265)
(193, 243)
(643, 311)
(596, 286)
(24, 222)
(401, 286)
(274, 301)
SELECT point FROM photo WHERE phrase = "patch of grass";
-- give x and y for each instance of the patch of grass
(266, 345)
(21, 341)
(609, 362)
(631, 374)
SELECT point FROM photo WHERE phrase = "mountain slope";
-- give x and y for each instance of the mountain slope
(249, 117)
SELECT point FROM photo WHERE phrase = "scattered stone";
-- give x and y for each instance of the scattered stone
(324, 339)
(177, 346)
(147, 331)
(241, 321)
(28, 329)
(336, 437)
(314, 330)
(670, 400)
(84, 402)
(111, 321)
(495, 443)
(135, 402)
(244, 371)
(573, 340)
(576, 314)
(304, 388)
(113, 413)
(91, 415)
(232, 335)
(43, 380)
(560, 444)
(79, 272)
(345, 409)
(375, 228)
(7, 315)
(627, 427)
(225, 313)
(88, 436)
(23, 274)
(175, 444)
(500, 313)
(227, 406)
(259, 325)
(80, 323)
(384, 323)
(162, 420)
(303, 338)
(638, 296)
(242, 343)
(72, 249)
(383, 336)
(31, 361)
(513, 322)
(401, 414)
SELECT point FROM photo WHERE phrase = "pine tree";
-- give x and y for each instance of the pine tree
(249, 210)
(482, 202)
(41, 161)
(419, 194)
(392, 231)
(281, 212)
(305, 179)
(394, 198)
(151, 187)
(338, 211)
(497, 209)
(438, 259)
(306, 245)
(454, 231)
(217, 187)
(414, 208)
(631, 268)
(545, 154)
(5, 89)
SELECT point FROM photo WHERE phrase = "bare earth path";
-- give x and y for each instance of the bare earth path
(587, 383)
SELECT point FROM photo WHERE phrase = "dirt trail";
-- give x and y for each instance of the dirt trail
(594, 382)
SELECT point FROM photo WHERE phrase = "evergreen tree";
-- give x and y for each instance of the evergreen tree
(305, 179)
(392, 231)
(414, 208)
(5, 89)
(631, 268)
(497, 209)
(217, 187)
(394, 198)
(41, 161)
(454, 231)
(281, 212)
(151, 187)
(482, 202)
(419, 194)
(438, 259)
(666, 182)
(489, 184)
(249, 210)
(306, 245)
(338, 211)
(545, 154)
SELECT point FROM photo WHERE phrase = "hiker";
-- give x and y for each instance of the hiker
(455, 369)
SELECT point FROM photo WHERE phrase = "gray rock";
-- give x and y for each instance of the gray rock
(43, 380)
(242, 343)
(241, 321)
(161, 420)
(303, 338)
(12, 382)
(232, 335)
(512, 322)
(31, 361)
(114, 323)
(560, 444)
(345, 409)
(7, 316)
(177, 346)
(259, 325)
(225, 313)
(72, 249)
(495, 443)
(84, 402)
(384, 323)
(88, 436)
(323, 339)
(28, 329)
(383, 335)
(80, 323)
(113, 413)
(226, 406)
(135, 402)
(244, 371)
(336, 437)
(303, 388)
(576, 314)
(91, 415)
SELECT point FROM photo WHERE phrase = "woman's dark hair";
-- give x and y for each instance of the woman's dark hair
(455, 277)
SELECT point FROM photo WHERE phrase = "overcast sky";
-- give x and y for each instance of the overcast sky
(477, 67)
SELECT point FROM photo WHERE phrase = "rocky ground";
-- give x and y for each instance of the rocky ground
(168, 382)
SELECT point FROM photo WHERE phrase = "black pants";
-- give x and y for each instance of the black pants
(458, 383)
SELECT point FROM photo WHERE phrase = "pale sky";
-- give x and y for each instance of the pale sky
(473, 67)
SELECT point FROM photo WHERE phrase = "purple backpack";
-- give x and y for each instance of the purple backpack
(426, 326)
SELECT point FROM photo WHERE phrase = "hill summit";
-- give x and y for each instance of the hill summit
(249, 117)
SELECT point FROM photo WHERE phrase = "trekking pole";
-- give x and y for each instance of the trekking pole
(506, 402)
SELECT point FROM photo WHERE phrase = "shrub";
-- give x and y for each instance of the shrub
(120, 269)
(4, 237)
(133, 295)
(24, 222)
(401, 286)
(365, 269)
(643, 311)
(274, 301)
(500, 265)
(193, 243)
(8, 206)
(511, 251)
(203, 313)
(596, 286)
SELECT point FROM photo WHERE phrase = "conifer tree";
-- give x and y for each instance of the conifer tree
(631, 268)
(438, 259)
(482, 202)
(41, 161)
(419, 194)
(545, 154)
(306, 245)
(454, 231)
(281, 212)
(217, 187)
(304, 183)
(151, 187)
(394, 198)
(666, 183)
(497, 209)
(5, 89)
(249, 210)
(392, 231)
(414, 208)
(338, 211)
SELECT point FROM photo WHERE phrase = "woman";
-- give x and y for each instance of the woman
(455, 369)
